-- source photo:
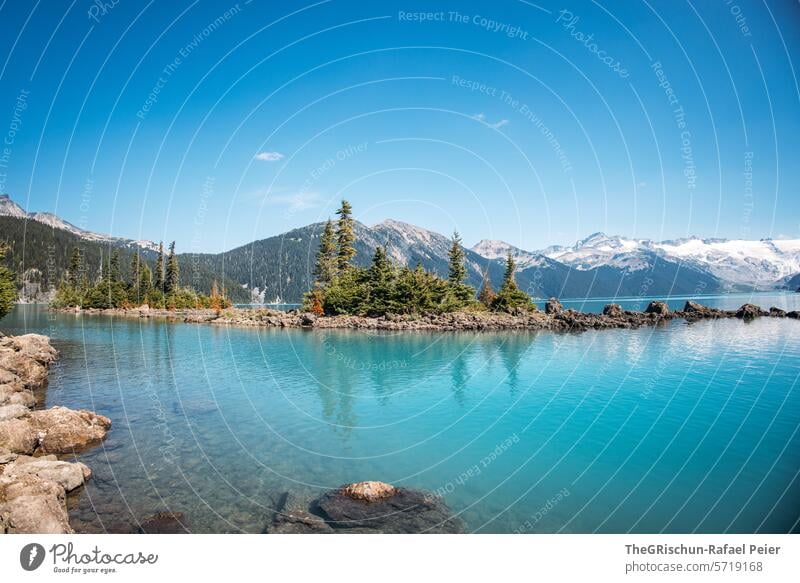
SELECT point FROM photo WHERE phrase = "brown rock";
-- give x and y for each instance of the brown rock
(553, 306)
(613, 310)
(66, 474)
(13, 411)
(657, 307)
(164, 523)
(749, 312)
(18, 436)
(368, 491)
(29, 504)
(63, 430)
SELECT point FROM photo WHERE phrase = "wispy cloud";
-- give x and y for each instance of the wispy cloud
(269, 156)
(295, 201)
(481, 117)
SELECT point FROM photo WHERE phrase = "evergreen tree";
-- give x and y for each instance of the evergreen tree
(325, 269)
(8, 285)
(145, 283)
(486, 295)
(158, 276)
(345, 236)
(75, 268)
(135, 295)
(381, 284)
(172, 279)
(114, 274)
(461, 294)
(458, 271)
(510, 297)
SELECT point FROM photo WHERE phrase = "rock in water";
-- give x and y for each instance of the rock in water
(657, 307)
(368, 491)
(63, 430)
(613, 310)
(365, 507)
(164, 523)
(402, 511)
(749, 312)
(553, 306)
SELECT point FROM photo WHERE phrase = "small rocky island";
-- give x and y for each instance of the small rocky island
(34, 481)
(554, 317)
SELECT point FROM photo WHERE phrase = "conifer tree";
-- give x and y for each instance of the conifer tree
(345, 236)
(135, 295)
(8, 284)
(461, 294)
(145, 283)
(114, 275)
(458, 272)
(172, 279)
(325, 268)
(510, 297)
(158, 276)
(75, 268)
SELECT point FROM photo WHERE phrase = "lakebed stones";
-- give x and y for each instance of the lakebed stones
(164, 523)
(366, 507)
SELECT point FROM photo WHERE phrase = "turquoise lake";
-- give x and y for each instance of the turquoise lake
(678, 428)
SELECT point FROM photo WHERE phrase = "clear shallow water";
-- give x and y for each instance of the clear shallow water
(680, 428)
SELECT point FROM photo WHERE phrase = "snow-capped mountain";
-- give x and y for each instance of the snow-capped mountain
(9, 208)
(736, 263)
(494, 249)
(764, 263)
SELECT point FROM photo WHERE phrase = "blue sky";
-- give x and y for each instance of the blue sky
(217, 123)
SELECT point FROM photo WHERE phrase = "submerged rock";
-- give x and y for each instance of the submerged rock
(164, 523)
(366, 507)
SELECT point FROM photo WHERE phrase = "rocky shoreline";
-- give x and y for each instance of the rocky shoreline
(34, 482)
(554, 317)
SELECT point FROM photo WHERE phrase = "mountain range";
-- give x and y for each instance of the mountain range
(600, 265)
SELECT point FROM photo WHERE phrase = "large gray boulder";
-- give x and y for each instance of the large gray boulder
(30, 504)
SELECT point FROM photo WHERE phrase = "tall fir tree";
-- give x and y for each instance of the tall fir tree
(75, 268)
(510, 297)
(135, 295)
(345, 236)
(172, 278)
(458, 271)
(325, 268)
(158, 276)
(461, 294)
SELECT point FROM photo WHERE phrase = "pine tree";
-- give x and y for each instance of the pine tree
(135, 295)
(145, 283)
(172, 279)
(510, 297)
(75, 268)
(325, 269)
(114, 275)
(461, 294)
(486, 295)
(345, 236)
(8, 285)
(158, 276)
(458, 272)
